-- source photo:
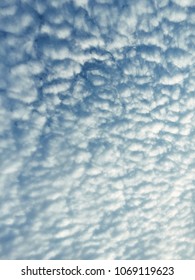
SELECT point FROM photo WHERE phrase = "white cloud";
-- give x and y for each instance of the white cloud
(97, 120)
(184, 3)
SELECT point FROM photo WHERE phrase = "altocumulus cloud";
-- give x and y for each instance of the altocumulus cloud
(97, 129)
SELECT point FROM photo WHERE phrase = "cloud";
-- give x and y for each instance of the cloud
(97, 123)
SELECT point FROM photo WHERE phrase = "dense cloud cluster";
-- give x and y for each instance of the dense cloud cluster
(97, 129)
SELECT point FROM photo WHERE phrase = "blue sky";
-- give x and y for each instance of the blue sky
(97, 131)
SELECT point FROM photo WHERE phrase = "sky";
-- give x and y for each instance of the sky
(97, 129)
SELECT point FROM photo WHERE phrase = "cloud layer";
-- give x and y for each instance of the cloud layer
(97, 129)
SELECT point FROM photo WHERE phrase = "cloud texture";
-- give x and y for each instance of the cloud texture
(97, 129)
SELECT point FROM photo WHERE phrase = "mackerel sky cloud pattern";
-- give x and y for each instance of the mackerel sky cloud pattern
(97, 126)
